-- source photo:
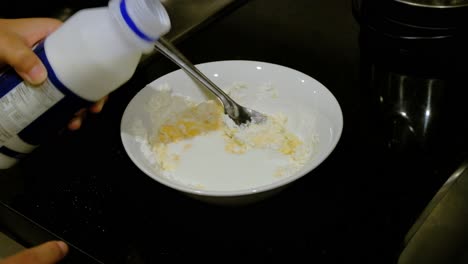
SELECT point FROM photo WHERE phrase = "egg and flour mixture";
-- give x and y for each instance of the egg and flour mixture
(196, 144)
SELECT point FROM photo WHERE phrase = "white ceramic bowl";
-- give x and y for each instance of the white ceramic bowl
(294, 92)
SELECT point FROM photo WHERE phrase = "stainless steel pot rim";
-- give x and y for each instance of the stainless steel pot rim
(435, 3)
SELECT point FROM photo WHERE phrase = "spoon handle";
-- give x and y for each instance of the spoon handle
(166, 48)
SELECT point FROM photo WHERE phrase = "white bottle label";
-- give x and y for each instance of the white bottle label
(28, 115)
(22, 105)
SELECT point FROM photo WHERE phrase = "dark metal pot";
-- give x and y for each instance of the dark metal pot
(442, 14)
(435, 3)
(414, 68)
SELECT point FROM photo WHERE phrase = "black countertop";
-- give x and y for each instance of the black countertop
(404, 134)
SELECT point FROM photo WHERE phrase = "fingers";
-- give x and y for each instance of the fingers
(97, 107)
(77, 120)
(17, 36)
(32, 30)
(47, 253)
(19, 55)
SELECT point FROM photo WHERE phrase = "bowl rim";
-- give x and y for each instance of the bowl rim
(246, 191)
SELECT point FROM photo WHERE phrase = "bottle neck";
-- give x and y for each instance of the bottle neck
(131, 24)
(142, 21)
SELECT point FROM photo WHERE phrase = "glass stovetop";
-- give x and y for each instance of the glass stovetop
(404, 134)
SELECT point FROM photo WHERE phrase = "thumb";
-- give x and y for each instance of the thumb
(47, 253)
(19, 55)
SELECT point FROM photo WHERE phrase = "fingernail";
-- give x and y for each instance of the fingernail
(97, 107)
(63, 247)
(75, 124)
(37, 74)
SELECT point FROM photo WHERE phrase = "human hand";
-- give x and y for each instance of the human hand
(47, 253)
(17, 37)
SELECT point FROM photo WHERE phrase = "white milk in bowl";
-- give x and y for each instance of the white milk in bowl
(194, 143)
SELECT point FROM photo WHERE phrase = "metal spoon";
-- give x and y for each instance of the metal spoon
(239, 114)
